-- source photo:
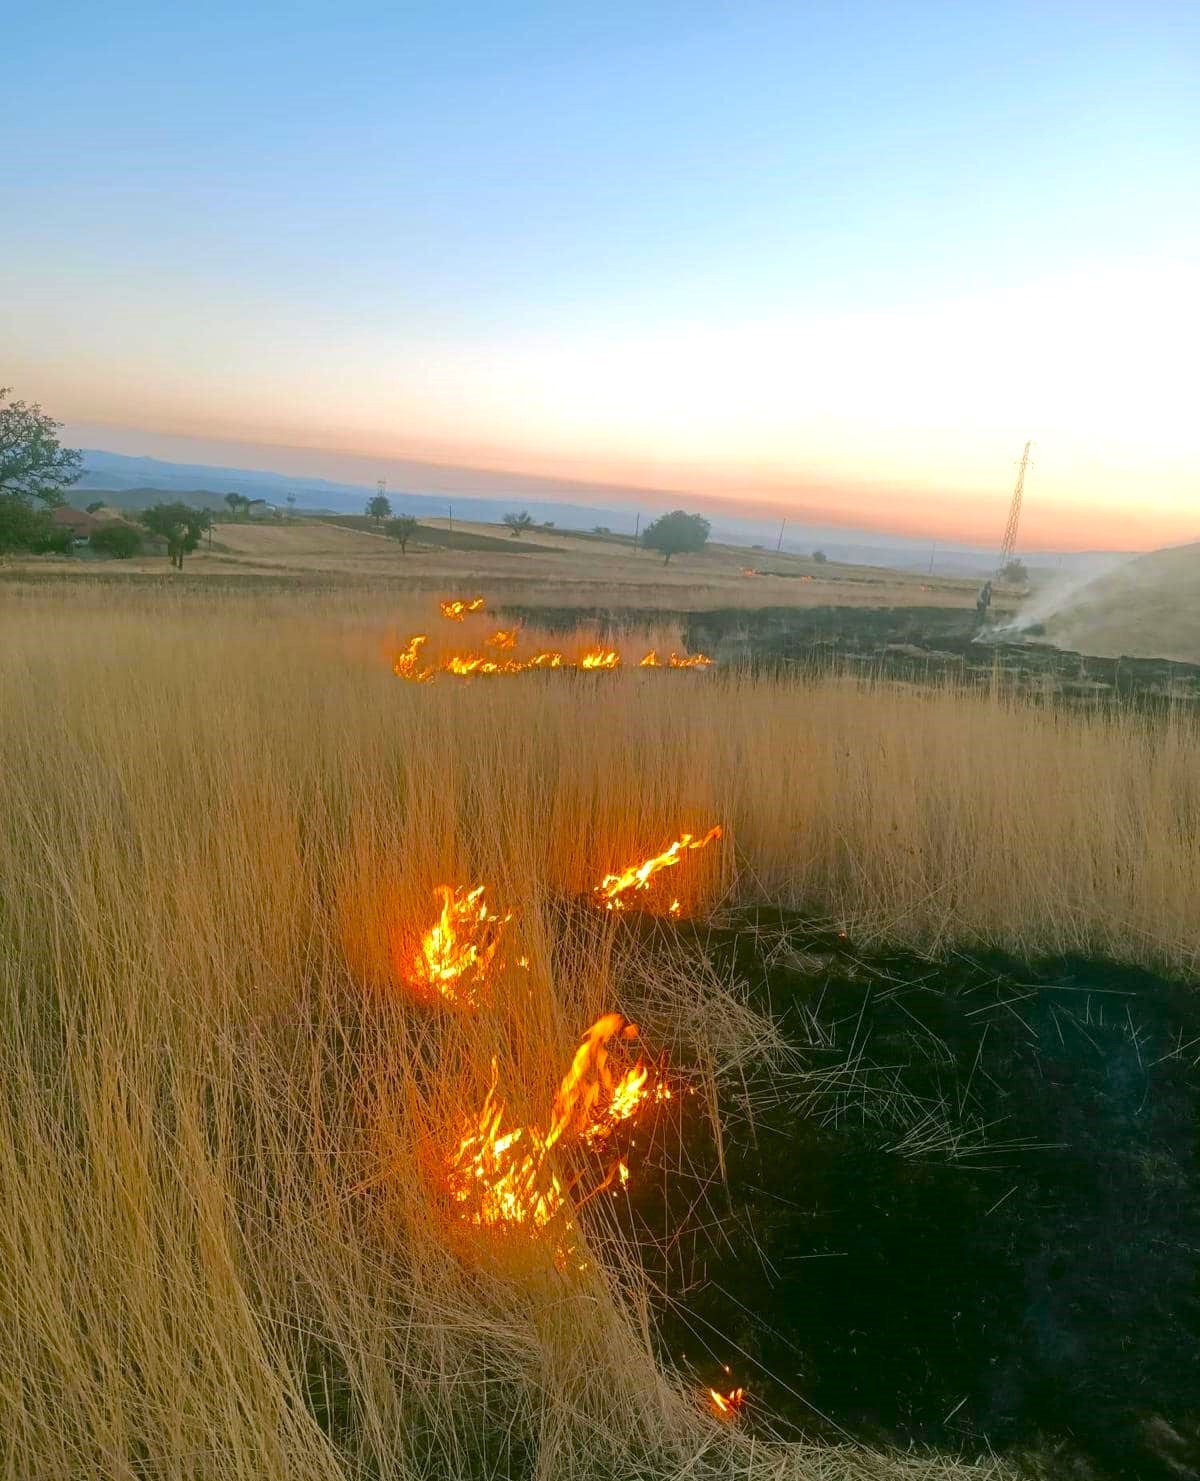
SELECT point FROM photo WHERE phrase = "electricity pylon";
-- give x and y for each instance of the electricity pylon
(1009, 543)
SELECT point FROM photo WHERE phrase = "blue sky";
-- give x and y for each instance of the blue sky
(602, 240)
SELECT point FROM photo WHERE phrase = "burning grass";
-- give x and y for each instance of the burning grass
(229, 1250)
(511, 651)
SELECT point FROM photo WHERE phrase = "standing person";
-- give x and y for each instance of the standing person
(983, 601)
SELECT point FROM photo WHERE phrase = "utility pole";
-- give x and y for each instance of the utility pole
(450, 527)
(637, 525)
(932, 548)
(779, 542)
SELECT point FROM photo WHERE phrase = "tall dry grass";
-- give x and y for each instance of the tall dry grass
(222, 1254)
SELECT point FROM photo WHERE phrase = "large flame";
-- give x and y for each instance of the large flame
(499, 1177)
(638, 876)
(456, 953)
(458, 608)
(407, 663)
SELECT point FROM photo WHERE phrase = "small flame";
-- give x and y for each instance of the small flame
(456, 953)
(502, 638)
(457, 609)
(690, 661)
(727, 1406)
(638, 876)
(651, 661)
(600, 658)
(749, 571)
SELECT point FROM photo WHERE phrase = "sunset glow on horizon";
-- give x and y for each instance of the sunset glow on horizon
(831, 264)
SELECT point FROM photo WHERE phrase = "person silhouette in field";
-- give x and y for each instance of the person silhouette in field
(983, 601)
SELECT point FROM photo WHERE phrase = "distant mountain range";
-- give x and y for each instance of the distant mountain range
(137, 482)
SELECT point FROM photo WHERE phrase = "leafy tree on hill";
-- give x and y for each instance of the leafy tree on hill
(179, 525)
(518, 523)
(94, 505)
(820, 557)
(379, 508)
(677, 533)
(402, 528)
(33, 463)
(236, 502)
(117, 539)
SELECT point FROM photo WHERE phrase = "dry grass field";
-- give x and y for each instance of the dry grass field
(225, 1244)
(542, 568)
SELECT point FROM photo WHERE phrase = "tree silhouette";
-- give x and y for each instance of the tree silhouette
(379, 508)
(33, 463)
(402, 528)
(518, 523)
(677, 533)
(179, 525)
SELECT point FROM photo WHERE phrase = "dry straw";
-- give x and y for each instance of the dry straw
(222, 1254)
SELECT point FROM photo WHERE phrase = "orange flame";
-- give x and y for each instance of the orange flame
(727, 1406)
(676, 661)
(502, 1178)
(638, 876)
(407, 663)
(413, 664)
(456, 953)
(600, 658)
(457, 609)
(505, 1178)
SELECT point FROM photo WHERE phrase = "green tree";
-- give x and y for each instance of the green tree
(94, 505)
(402, 528)
(179, 525)
(518, 523)
(1015, 571)
(33, 463)
(379, 508)
(236, 502)
(677, 533)
(820, 557)
(117, 539)
(26, 527)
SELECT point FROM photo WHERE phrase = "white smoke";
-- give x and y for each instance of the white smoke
(1056, 597)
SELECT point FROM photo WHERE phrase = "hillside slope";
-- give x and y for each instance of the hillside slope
(1146, 608)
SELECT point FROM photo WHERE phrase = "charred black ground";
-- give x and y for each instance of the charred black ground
(971, 1217)
(904, 643)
